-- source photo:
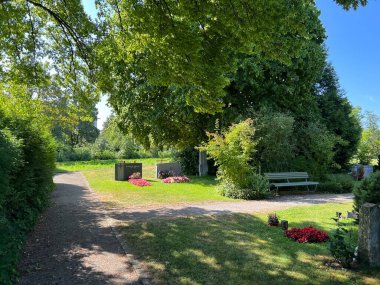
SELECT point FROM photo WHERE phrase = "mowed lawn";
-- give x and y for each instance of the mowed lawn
(101, 177)
(240, 249)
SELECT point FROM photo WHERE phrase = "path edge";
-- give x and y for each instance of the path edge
(143, 276)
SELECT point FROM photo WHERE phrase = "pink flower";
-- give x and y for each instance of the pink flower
(139, 182)
(176, 179)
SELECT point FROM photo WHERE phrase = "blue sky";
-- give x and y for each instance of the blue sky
(354, 50)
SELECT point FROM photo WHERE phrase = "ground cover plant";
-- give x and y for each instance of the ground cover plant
(100, 175)
(307, 235)
(240, 249)
(176, 179)
(139, 182)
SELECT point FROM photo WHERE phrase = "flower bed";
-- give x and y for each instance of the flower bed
(176, 179)
(307, 235)
(139, 182)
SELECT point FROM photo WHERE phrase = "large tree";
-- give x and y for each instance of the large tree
(46, 59)
(337, 115)
(163, 113)
(192, 45)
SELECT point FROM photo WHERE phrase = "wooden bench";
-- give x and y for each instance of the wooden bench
(284, 180)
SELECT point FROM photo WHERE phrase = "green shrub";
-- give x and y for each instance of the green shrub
(103, 155)
(315, 150)
(257, 188)
(189, 159)
(275, 136)
(27, 156)
(342, 247)
(368, 190)
(337, 183)
(330, 187)
(232, 152)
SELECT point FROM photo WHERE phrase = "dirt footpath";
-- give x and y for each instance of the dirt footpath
(73, 242)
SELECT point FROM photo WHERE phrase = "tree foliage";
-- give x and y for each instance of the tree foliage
(46, 58)
(162, 114)
(337, 114)
(192, 44)
(369, 146)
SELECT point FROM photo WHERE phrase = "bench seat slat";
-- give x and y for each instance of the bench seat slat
(287, 175)
(304, 183)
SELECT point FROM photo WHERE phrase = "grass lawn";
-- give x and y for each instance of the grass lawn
(239, 249)
(100, 175)
(102, 164)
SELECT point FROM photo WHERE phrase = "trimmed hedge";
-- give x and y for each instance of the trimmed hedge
(27, 156)
(337, 183)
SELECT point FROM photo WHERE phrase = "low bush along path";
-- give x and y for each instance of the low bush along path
(75, 241)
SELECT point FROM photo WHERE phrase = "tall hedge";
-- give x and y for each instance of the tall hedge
(27, 155)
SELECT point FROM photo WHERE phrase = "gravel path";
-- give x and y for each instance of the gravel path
(216, 208)
(73, 242)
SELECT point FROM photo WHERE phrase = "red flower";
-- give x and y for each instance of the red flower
(139, 182)
(309, 234)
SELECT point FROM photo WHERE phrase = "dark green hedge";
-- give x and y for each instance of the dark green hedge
(27, 155)
(368, 190)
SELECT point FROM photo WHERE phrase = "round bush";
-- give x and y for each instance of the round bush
(257, 187)
(367, 191)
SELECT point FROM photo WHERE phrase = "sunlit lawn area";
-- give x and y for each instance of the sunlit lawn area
(240, 249)
(103, 164)
(101, 177)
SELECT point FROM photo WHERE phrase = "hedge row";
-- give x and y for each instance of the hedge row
(27, 155)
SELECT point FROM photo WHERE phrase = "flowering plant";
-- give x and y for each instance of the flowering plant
(307, 235)
(136, 175)
(273, 220)
(176, 179)
(139, 182)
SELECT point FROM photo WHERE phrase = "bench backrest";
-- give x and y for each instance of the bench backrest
(286, 175)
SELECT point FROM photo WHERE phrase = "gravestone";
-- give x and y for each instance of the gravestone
(369, 234)
(174, 167)
(124, 170)
(203, 166)
(368, 169)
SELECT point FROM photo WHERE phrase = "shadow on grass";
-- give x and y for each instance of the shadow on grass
(231, 249)
(60, 170)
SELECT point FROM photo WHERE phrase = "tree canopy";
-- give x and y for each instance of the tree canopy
(171, 68)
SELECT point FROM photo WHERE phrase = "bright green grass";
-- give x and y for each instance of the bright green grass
(101, 176)
(102, 164)
(124, 194)
(239, 249)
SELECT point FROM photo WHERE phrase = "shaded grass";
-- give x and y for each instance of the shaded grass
(239, 249)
